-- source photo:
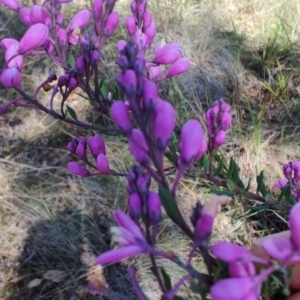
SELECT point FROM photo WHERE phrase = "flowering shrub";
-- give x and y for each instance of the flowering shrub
(148, 123)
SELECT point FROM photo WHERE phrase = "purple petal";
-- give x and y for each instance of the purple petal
(117, 255)
(229, 252)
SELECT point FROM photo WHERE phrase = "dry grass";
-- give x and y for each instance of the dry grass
(50, 220)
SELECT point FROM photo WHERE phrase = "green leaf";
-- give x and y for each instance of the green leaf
(71, 60)
(217, 171)
(169, 204)
(116, 93)
(248, 185)
(103, 88)
(201, 290)
(233, 172)
(167, 279)
(221, 192)
(231, 185)
(260, 184)
(205, 162)
(72, 113)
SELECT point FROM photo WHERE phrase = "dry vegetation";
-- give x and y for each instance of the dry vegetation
(53, 225)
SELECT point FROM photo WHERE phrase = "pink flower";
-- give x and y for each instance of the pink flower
(12, 4)
(191, 141)
(243, 288)
(154, 72)
(6, 43)
(164, 124)
(138, 147)
(11, 77)
(25, 15)
(34, 37)
(76, 169)
(168, 54)
(225, 120)
(294, 224)
(97, 7)
(219, 139)
(128, 236)
(102, 163)
(179, 67)
(17, 61)
(130, 24)
(37, 14)
(150, 33)
(120, 114)
(79, 20)
(121, 45)
(111, 24)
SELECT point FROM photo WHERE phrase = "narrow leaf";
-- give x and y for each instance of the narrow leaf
(72, 113)
(167, 279)
(71, 60)
(221, 192)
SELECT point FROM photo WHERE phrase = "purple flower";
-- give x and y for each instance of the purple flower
(79, 20)
(179, 67)
(17, 61)
(111, 24)
(134, 205)
(12, 4)
(294, 224)
(6, 43)
(97, 7)
(76, 169)
(128, 82)
(11, 77)
(219, 139)
(130, 25)
(120, 114)
(164, 124)
(96, 145)
(281, 183)
(168, 54)
(129, 238)
(153, 207)
(102, 163)
(138, 147)
(25, 15)
(191, 141)
(34, 37)
(150, 94)
(37, 14)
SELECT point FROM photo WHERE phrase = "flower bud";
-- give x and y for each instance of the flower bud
(138, 147)
(76, 169)
(37, 14)
(6, 43)
(111, 24)
(80, 65)
(168, 54)
(12, 4)
(34, 37)
(150, 94)
(25, 15)
(134, 203)
(121, 45)
(130, 25)
(225, 120)
(128, 82)
(97, 7)
(96, 145)
(294, 224)
(219, 139)
(281, 183)
(81, 147)
(143, 183)
(147, 19)
(191, 140)
(123, 62)
(95, 57)
(11, 77)
(72, 84)
(62, 37)
(150, 33)
(17, 61)
(79, 20)
(120, 114)
(71, 146)
(154, 72)
(102, 163)
(164, 124)
(241, 269)
(154, 207)
(180, 66)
